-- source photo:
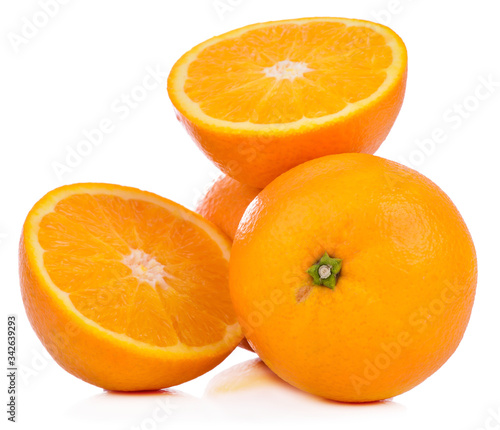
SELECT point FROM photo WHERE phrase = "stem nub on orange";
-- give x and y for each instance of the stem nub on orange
(353, 277)
(264, 98)
(126, 290)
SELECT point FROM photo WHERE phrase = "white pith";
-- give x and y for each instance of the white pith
(287, 69)
(145, 268)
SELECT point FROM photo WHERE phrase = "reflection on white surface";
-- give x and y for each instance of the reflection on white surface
(251, 386)
(246, 393)
(242, 392)
(147, 409)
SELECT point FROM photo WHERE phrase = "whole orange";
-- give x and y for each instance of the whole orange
(225, 203)
(353, 277)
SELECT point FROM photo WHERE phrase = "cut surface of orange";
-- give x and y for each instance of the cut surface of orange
(328, 85)
(127, 290)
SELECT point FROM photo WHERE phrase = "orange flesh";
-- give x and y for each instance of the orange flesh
(282, 73)
(127, 265)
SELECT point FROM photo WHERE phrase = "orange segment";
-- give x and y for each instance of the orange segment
(136, 273)
(61, 235)
(148, 320)
(125, 223)
(289, 91)
(72, 273)
(85, 209)
(108, 304)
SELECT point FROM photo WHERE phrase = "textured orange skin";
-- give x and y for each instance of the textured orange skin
(257, 158)
(226, 202)
(224, 205)
(90, 354)
(408, 278)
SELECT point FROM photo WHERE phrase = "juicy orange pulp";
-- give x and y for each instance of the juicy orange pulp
(144, 280)
(282, 73)
(264, 98)
(126, 265)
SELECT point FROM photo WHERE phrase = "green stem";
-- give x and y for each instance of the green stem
(325, 271)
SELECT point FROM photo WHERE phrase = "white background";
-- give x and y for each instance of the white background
(69, 75)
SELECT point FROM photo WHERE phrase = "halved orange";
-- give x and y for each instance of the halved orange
(264, 98)
(126, 290)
